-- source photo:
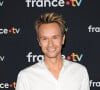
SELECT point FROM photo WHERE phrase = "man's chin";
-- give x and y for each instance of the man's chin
(51, 56)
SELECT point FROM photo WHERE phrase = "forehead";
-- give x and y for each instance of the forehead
(49, 29)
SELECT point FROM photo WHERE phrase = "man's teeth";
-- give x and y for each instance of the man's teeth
(51, 49)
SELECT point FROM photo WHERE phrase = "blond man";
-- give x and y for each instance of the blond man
(52, 73)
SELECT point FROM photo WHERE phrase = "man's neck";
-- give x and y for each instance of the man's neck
(54, 65)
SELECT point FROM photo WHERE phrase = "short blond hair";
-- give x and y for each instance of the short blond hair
(50, 18)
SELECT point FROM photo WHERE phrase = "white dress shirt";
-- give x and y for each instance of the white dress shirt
(73, 76)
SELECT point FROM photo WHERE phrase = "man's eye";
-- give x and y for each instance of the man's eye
(55, 37)
(44, 38)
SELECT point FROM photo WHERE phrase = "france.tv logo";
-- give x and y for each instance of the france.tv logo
(92, 28)
(2, 58)
(12, 30)
(73, 3)
(1, 3)
(7, 85)
(53, 3)
(73, 57)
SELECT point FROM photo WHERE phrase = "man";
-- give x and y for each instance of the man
(52, 73)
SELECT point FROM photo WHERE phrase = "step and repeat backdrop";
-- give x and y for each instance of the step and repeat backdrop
(18, 42)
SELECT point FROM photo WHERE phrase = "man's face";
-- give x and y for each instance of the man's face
(50, 40)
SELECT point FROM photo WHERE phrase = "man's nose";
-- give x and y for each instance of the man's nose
(50, 42)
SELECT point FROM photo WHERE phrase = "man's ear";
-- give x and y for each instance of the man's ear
(63, 39)
(38, 41)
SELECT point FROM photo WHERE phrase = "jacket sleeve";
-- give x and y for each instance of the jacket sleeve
(22, 82)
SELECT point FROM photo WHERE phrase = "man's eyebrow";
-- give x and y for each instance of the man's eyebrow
(43, 37)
